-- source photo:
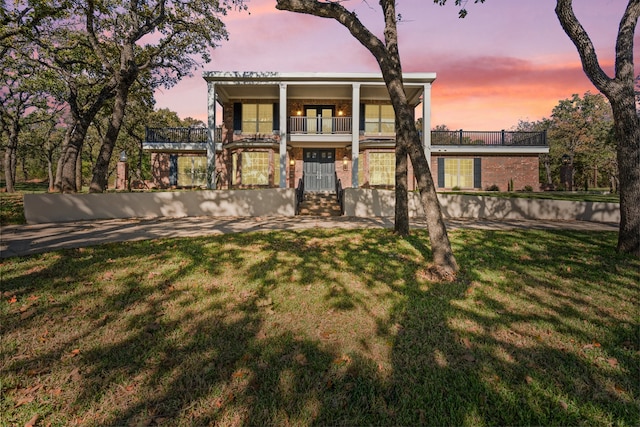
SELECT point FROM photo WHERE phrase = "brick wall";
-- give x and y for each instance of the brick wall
(499, 170)
(160, 169)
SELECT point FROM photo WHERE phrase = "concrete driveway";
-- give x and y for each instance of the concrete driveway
(20, 240)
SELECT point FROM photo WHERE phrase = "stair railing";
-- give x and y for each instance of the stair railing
(299, 194)
(339, 194)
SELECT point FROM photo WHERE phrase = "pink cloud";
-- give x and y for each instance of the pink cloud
(508, 60)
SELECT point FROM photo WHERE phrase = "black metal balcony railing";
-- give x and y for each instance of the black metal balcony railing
(177, 135)
(447, 137)
(503, 138)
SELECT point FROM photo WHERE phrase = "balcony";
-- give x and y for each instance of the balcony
(178, 139)
(338, 130)
(319, 125)
(500, 138)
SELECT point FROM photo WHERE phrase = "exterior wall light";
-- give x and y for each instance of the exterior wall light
(123, 156)
(345, 163)
(292, 162)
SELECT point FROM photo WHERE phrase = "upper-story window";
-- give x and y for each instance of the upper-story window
(257, 118)
(379, 119)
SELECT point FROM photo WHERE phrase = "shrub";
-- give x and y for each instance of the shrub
(456, 188)
(527, 189)
(493, 187)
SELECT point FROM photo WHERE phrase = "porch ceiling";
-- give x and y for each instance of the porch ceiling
(228, 92)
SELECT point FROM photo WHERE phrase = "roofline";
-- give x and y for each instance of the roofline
(272, 76)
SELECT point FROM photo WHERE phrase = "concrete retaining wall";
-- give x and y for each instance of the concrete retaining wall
(366, 203)
(381, 203)
(43, 208)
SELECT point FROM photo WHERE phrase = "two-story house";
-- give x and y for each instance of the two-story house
(270, 129)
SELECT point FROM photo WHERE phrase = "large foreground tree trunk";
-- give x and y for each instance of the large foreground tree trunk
(101, 168)
(71, 152)
(407, 137)
(620, 93)
(401, 224)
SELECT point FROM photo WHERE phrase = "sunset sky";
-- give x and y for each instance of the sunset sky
(508, 60)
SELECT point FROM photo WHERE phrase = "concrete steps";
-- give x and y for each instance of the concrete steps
(320, 204)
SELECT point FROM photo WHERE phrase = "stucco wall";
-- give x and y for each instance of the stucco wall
(381, 203)
(43, 208)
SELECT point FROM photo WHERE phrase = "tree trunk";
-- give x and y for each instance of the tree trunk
(627, 128)
(443, 257)
(50, 172)
(101, 168)
(620, 93)
(71, 153)
(388, 58)
(547, 167)
(8, 176)
(79, 171)
(10, 155)
(401, 224)
(124, 78)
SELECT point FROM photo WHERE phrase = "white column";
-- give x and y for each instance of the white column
(355, 134)
(283, 135)
(426, 122)
(211, 139)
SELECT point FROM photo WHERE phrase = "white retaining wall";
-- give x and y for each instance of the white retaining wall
(43, 208)
(381, 203)
(365, 203)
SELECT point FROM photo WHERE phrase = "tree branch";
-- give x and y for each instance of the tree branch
(582, 41)
(624, 42)
(349, 20)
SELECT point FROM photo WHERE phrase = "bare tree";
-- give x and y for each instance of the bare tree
(619, 90)
(407, 137)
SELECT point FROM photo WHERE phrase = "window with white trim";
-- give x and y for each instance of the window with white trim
(379, 119)
(192, 171)
(458, 173)
(382, 168)
(255, 168)
(257, 118)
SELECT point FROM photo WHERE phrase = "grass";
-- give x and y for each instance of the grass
(317, 327)
(11, 204)
(574, 196)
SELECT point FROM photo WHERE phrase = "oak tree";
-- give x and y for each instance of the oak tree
(619, 90)
(408, 140)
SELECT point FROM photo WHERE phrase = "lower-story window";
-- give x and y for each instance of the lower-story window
(382, 168)
(255, 168)
(192, 171)
(458, 173)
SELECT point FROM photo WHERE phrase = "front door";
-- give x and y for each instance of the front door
(319, 119)
(319, 169)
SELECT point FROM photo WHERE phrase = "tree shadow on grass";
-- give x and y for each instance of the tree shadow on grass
(326, 328)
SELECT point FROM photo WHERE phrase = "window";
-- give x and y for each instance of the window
(192, 170)
(382, 168)
(255, 168)
(458, 173)
(379, 119)
(257, 118)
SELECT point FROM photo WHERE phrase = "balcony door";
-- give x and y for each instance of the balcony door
(319, 169)
(319, 118)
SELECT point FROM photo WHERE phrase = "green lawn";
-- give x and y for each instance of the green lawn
(574, 196)
(11, 207)
(317, 327)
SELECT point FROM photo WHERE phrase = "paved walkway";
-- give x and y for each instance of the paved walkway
(20, 240)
